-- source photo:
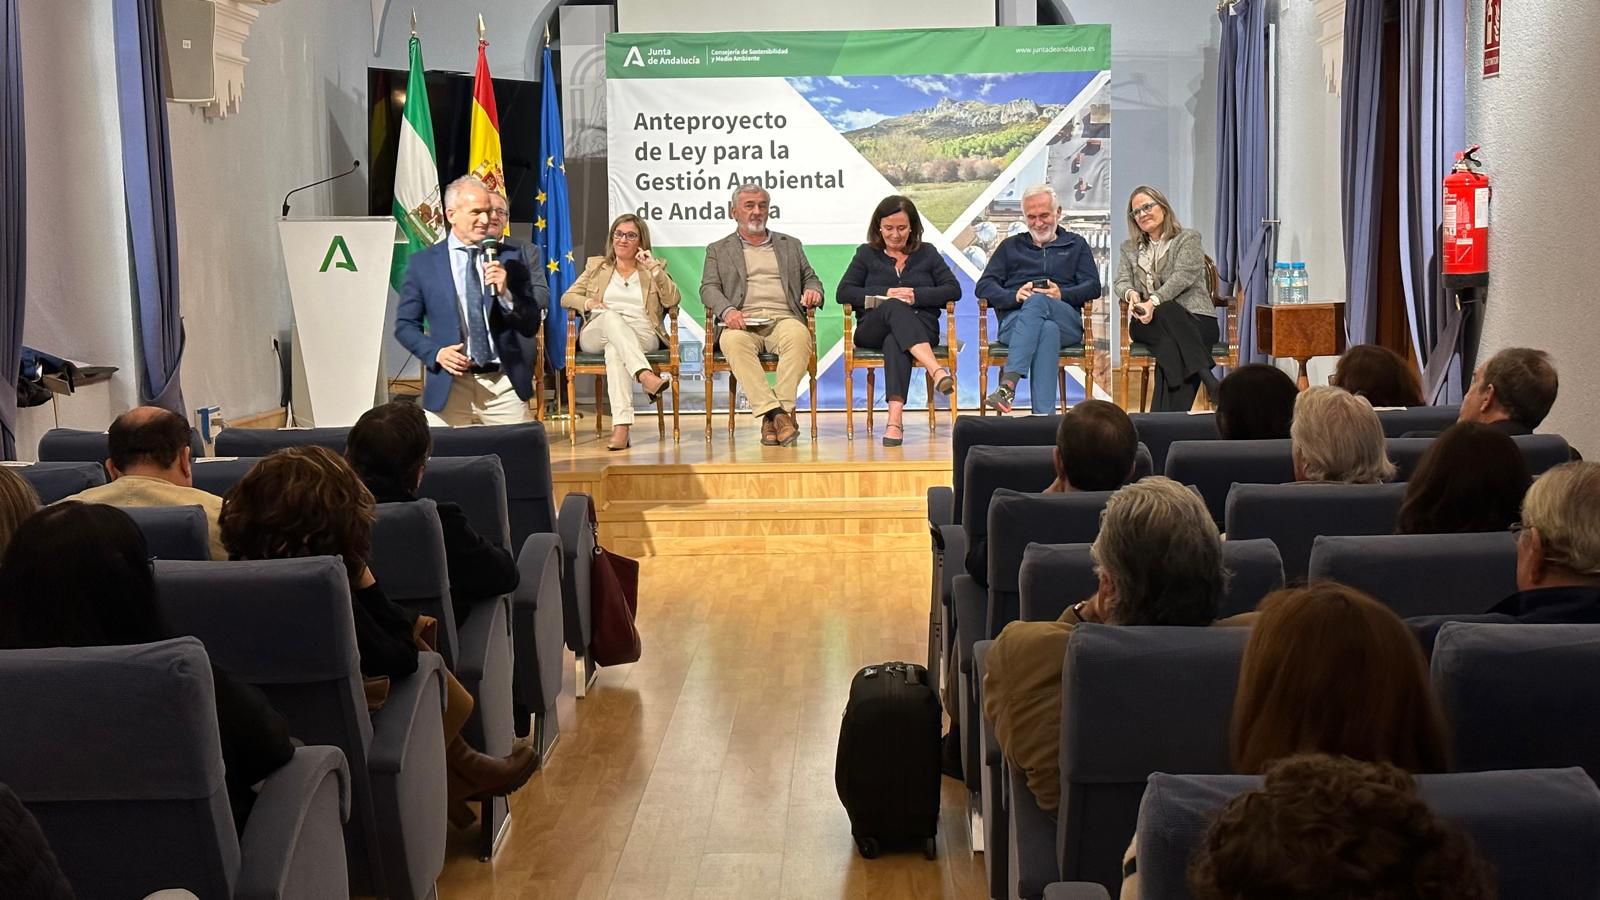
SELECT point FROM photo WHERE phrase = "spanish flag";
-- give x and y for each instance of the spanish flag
(483, 147)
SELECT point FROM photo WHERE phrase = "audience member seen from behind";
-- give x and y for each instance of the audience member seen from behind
(915, 284)
(150, 466)
(1472, 478)
(1330, 827)
(1513, 391)
(78, 575)
(623, 298)
(1037, 283)
(1159, 559)
(1162, 277)
(1378, 374)
(1558, 549)
(18, 501)
(1336, 437)
(1330, 670)
(389, 448)
(1096, 445)
(307, 501)
(1255, 403)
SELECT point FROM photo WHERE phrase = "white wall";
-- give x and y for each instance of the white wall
(816, 15)
(449, 32)
(1308, 147)
(1164, 104)
(1540, 129)
(303, 116)
(77, 279)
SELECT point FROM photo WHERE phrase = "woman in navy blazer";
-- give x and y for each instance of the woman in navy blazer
(912, 276)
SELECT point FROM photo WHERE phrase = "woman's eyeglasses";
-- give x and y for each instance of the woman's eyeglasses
(1141, 210)
(624, 235)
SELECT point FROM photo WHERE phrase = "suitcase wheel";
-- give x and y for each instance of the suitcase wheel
(868, 847)
(930, 848)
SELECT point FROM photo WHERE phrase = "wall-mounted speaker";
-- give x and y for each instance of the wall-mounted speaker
(188, 29)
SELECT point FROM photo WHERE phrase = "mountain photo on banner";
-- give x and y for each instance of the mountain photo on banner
(942, 139)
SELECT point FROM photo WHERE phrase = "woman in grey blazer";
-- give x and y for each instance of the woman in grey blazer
(1162, 276)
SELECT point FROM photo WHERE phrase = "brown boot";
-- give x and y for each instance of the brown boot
(784, 429)
(769, 436)
(474, 775)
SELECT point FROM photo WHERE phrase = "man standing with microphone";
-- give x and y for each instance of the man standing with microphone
(470, 308)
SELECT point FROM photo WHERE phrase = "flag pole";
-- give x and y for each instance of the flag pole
(481, 30)
(413, 21)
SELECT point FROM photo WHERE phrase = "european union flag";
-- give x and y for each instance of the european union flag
(552, 225)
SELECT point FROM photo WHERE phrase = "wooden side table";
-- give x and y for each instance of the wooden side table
(1300, 331)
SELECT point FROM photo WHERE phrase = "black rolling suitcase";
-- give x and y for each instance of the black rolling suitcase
(887, 773)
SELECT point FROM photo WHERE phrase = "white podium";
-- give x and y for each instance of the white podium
(338, 270)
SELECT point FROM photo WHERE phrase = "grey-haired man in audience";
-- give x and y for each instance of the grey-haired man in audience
(1159, 559)
(1558, 556)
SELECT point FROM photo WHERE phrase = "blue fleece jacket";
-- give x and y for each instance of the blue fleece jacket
(1067, 261)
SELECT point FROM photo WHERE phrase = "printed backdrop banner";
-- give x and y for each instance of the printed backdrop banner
(961, 120)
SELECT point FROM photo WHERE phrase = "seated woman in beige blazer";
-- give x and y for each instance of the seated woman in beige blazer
(624, 297)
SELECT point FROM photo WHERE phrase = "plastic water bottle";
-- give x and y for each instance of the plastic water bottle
(1280, 284)
(1300, 283)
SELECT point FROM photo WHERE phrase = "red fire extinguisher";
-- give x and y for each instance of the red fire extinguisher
(1466, 217)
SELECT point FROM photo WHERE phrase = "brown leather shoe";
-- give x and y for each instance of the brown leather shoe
(784, 429)
(769, 434)
(474, 775)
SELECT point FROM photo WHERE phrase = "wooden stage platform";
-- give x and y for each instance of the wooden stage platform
(734, 496)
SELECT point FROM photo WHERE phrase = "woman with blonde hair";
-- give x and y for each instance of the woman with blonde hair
(1163, 277)
(624, 297)
(1336, 437)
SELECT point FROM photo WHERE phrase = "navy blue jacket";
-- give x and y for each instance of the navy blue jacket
(925, 272)
(428, 318)
(1067, 261)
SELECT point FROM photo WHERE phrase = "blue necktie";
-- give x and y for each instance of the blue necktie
(477, 327)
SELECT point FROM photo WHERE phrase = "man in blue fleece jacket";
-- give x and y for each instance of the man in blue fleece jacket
(1037, 283)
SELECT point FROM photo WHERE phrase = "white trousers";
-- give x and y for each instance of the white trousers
(487, 399)
(624, 341)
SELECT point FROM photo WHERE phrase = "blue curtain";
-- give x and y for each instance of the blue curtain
(1432, 97)
(147, 178)
(13, 223)
(1243, 238)
(1360, 164)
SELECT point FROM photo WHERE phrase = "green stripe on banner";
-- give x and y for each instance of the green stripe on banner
(940, 51)
(686, 264)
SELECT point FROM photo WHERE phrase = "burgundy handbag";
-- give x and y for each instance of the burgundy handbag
(613, 604)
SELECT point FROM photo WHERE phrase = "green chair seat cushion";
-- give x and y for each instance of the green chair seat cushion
(655, 357)
(1142, 351)
(864, 353)
(1001, 351)
(766, 358)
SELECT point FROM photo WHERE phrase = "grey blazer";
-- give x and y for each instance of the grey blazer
(723, 281)
(1182, 271)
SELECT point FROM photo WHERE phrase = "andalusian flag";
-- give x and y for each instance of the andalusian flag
(552, 227)
(416, 174)
(483, 148)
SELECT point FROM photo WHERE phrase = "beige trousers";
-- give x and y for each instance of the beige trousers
(790, 339)
(487, 399)
(624, 341)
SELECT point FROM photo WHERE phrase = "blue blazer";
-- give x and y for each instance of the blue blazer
(429, 317)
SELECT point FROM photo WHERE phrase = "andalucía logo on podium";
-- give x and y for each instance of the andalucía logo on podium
(338, 246)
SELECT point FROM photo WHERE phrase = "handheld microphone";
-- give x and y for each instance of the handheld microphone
(491, 249)
(354, 165)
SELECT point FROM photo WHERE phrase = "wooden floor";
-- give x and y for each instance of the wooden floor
(706, 769)
(588, 451)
